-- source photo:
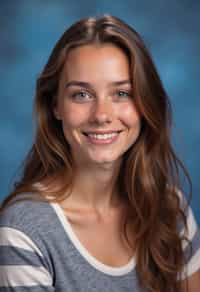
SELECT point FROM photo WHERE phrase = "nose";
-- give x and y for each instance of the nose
(102, 112)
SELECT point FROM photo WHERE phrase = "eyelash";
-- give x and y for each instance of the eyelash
(128, 94)
(77, 95)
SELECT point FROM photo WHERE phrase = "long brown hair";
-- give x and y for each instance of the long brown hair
(150, 173)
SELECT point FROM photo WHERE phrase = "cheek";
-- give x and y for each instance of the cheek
(130, 116)
(74, 116)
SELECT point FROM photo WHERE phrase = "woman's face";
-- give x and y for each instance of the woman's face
(96, 105)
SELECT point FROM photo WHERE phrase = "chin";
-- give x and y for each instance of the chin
(105, 160)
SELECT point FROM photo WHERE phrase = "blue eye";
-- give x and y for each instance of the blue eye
(123, 93)
(81, 95)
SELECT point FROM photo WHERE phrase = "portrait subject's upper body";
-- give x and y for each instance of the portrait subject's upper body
(99, 205)
(41, 252)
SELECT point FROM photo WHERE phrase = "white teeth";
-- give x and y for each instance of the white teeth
(103, 136)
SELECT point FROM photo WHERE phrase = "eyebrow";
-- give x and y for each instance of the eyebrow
(88, 85)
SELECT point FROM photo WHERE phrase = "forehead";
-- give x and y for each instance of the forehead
(92, 62)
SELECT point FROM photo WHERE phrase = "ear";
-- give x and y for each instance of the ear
(56, 113)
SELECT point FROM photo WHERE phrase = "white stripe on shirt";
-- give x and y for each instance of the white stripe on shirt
(192, 266)
(12, 276)
(13, 237)
(192, 228)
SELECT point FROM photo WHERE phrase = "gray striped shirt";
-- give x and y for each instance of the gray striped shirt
(40, 252)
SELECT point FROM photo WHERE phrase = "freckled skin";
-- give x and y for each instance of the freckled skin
(103, 110)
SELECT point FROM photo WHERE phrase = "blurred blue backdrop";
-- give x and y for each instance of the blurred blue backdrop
(28, 32)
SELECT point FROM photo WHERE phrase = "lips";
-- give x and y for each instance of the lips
(102, 137)
(102, 132)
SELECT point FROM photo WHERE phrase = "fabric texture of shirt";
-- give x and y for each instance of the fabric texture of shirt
(39, 251)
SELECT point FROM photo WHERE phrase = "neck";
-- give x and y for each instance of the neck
(95, 187)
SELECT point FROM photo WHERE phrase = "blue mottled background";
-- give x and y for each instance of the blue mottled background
(28, 32)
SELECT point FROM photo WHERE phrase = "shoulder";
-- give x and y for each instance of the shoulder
(26, 213)
(28, 223)
(190, 236)
(185, 207)
(23, 238)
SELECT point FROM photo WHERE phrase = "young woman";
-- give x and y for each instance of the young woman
(99, 206)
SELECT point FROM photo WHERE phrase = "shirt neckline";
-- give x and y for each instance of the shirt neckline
(110, 270)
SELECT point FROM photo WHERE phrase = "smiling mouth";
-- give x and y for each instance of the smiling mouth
(102, 135)
(102, 138)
